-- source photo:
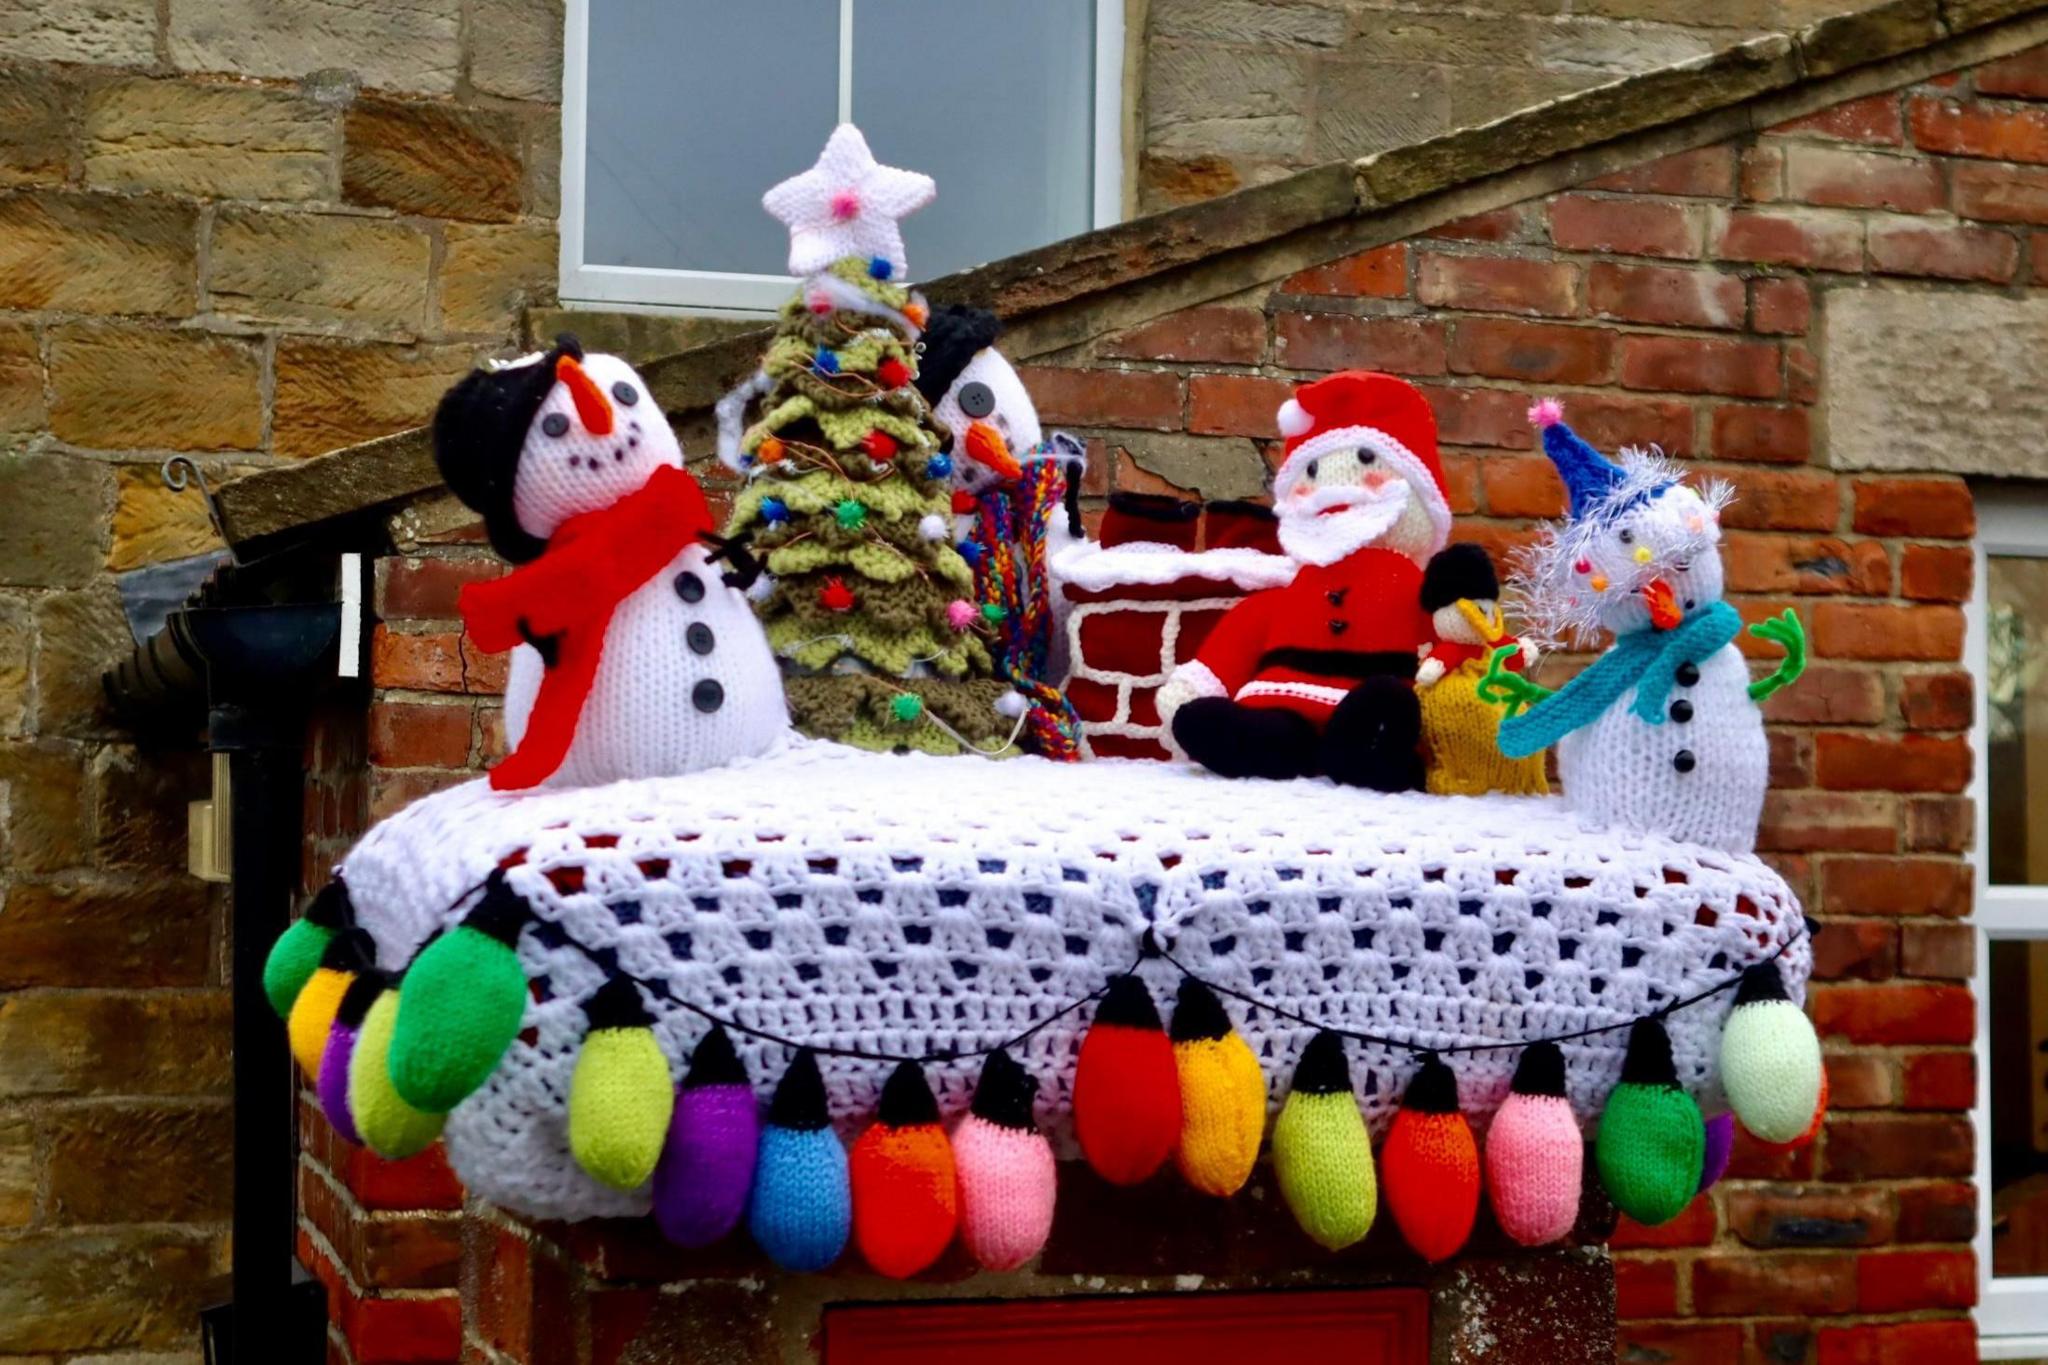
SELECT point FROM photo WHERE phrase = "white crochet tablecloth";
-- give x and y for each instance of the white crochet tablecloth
(911, 904)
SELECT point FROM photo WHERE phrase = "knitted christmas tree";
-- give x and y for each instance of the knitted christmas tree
(868, 603)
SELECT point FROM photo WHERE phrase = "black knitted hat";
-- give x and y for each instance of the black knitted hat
(1458, 571)
(479, 430)
(955, 335)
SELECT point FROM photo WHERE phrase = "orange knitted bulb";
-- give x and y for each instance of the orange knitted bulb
(905, 1189)
(1431, 1165)
(1126, 1090)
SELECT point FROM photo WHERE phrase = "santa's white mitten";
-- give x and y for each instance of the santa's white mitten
(1428, 672)
(1192, 680)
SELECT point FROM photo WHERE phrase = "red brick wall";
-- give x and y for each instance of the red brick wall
(1672, 303)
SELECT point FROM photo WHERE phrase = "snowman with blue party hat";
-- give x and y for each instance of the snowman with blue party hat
(1662, 733)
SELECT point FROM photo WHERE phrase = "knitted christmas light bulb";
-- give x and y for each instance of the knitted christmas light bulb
(1432, 1165)
(707, 1164)
(906, 1198)
(1770, 1058)
(619, 1096)
(1126, 1090)
(801, 1209)
(461, 1004)
(1222, 1094)
(389, 1126)
(296, 954)
(1322, 1154)
(1812, 1129)
(1006, 1169)
(342, 1039)
(1534, 1153)
(1720, 1145)
(349, 954)
(1651, 1146)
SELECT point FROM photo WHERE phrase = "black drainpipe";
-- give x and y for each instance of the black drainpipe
(261, 658)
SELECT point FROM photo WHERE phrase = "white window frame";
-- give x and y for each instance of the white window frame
(723, 293)
(2012, 1314)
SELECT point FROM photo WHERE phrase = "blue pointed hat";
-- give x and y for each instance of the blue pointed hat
(1589, 477)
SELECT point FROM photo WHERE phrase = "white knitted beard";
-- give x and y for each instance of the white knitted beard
(1393, 518)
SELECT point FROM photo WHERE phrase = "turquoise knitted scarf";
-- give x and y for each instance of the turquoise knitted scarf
(1646, 660)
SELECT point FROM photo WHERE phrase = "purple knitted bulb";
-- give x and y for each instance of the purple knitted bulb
(1720, 1146)
(332, 1083)
(707, 1162)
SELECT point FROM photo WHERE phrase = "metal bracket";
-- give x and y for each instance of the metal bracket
(181, 472)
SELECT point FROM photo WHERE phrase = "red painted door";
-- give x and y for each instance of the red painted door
(1356, 1327)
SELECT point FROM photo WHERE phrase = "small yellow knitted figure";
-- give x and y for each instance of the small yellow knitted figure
(1461, 593)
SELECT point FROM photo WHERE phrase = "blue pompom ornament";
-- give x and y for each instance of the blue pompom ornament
(774, 511)
(881, 267)
(938, 467)
(825, 362)
(970, 552)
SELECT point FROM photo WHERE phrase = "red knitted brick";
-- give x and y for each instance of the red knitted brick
(1130, 642)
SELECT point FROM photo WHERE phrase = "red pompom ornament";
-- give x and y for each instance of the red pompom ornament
(963, 502)
(819, 302)
(893, 373)
(879, 445)
(836, 596)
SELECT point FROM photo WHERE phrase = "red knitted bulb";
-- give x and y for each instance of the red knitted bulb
(1430, 1166)
(905, 1188)
(1126, 1088)
(879, 445)
(893, 373)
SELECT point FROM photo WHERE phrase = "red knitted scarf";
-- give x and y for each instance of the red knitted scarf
(562, 604)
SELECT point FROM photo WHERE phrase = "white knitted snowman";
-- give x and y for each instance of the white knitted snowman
(632, 653)
(1662, 734)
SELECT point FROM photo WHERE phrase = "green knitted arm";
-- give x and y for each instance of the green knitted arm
(1786, 633)
(1502, 688)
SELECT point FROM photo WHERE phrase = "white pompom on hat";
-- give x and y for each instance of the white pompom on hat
(1359, 409)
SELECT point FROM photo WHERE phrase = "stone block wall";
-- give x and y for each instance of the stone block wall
(248, 233)
(1681, 301)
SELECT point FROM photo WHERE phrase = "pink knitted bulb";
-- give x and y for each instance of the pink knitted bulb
(1007, 1180)
(960, 615)
(1534, 1152)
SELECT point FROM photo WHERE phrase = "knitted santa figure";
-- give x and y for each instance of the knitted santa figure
(634, 653)
(1317, 676)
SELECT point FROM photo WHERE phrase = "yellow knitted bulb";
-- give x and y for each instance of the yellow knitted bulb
(389, 1126)
(312, 1016)
(1222, 1112)
(620, 1094)
(1322, 1153)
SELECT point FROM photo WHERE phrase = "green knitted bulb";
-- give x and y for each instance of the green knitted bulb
(389, 1126)
(1322, 1154)
(1652, 1141)
(292, 961)
(1770, 1058)
(460, 1005)
(620, 1096)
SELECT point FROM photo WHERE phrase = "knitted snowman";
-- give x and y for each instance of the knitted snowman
(1662, 733)
(978, 397)
(633, 654)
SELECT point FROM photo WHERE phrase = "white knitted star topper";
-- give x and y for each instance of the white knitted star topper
(847, 205)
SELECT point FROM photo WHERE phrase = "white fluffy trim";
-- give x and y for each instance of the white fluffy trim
(1087, 565)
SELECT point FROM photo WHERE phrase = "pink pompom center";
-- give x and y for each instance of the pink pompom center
(1546, 412)
(960, 615)
(846, 205)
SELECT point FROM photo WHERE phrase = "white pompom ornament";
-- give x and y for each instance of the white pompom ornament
(1011, 704)
(933, 527)
(1294, 419)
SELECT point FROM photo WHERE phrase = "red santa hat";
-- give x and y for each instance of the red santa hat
(1359, 409)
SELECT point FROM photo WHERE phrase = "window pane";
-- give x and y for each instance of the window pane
(2016, 740)
(2019, 1107)
(695, 108)
(996, 103)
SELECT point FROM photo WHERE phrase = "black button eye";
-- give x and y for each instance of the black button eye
(977, 400)
(625, 393)
(1626, 537)
(1366, 457)
(555, 423)
(1313, 466)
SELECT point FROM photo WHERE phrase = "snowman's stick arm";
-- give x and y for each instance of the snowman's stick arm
(1784, 631)
(1499, 687)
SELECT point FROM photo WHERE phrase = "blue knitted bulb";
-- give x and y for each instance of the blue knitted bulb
(825, 362)
(938, 466)
(774, 511)
(801, 1208)
(881, 267)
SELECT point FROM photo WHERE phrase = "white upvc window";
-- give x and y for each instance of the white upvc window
(2008, 658)
(678, 114)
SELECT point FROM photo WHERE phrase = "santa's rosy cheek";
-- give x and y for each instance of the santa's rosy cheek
(1303, 489)
(1377, 479)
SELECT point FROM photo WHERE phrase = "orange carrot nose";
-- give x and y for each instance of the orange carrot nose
(593, 409)
(985, 445)
(1663, 604)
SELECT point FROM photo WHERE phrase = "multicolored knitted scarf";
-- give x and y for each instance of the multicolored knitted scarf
(1011, 524)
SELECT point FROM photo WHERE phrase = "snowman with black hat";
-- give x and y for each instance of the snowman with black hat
(634, 650)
